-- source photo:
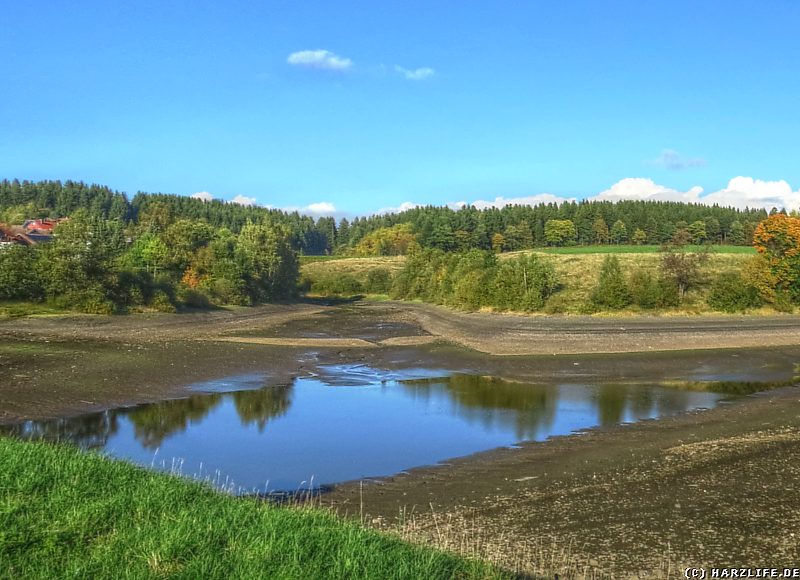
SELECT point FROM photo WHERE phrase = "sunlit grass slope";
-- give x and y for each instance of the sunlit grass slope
(68, 514)
(577, 269)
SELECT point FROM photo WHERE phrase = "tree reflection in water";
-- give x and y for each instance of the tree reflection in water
(261, 406)
(530, 411)
(488, 400)
(154, 423)
(90, 431)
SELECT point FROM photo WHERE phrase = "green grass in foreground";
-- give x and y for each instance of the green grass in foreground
(624, 249)
(64, 513)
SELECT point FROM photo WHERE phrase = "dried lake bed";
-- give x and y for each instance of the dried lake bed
(694, 487)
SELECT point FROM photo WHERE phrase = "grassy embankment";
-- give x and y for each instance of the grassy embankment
(577, 269)
(65, 513)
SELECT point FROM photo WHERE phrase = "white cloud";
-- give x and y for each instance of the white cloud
(406, 205)
(319, 209)
(642, 188)
(741, 192)
(670, 159)
(322, 208)
(483, 204)
(417, 74)
(204, 195)
(319, 59)
(748, 192)
(529, 200)
(242, 200)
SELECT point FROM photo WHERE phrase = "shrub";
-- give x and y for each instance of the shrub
(162, 302)
(193, 298)
(731, 293)
(226, 291)
(379, 281)
(337, 284)
(612, 291)
(469, 290)
(649, 292)
(91, 300)
(523, 283)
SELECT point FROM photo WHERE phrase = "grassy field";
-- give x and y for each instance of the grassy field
(357, 268)
(577, 268)
(578, 276)
(65, 513)
(624, 249)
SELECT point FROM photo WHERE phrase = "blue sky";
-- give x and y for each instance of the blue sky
(362, 106)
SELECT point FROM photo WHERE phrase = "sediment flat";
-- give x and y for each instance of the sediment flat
(490, 333)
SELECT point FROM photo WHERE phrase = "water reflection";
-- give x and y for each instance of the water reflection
(153, 424)
(259, 407)
(525, 408)
(354, 422)
(87, 431)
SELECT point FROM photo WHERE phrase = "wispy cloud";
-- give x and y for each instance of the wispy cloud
(417, 74)
(204, 195)
(674, 161)
(319, 59)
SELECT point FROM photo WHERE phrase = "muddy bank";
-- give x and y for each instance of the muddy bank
(510, 334)
(413, 323)
(709, 488)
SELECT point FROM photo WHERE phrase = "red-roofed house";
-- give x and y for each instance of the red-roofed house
(42, 226)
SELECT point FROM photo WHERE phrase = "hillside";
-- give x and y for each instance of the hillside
(576, 269)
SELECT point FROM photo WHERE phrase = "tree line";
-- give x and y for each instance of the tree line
(508, 228)
(518, 227)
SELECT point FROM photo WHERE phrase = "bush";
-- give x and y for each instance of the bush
(162, 302)
(612, 291)
(337, 285)
(132, 288)
(193, 298)
(91, 300)
(469, 291)
(226, 291)
(556, 304)
(649, 292)
(731, 293)
(523, 283)
(379, 281)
